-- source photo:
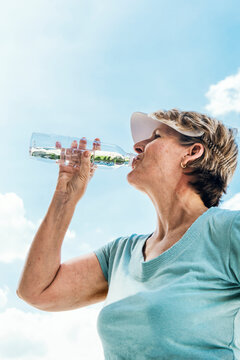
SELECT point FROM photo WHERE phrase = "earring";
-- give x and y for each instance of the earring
(183, 166)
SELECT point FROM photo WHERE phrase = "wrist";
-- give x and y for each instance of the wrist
(64, 198)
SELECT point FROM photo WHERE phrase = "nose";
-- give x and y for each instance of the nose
(138, 147)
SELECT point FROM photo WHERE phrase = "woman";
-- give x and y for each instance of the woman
(171, 294)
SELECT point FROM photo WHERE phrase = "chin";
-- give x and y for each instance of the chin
(132, 180)
(130, 177)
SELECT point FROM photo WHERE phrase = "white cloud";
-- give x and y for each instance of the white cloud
(48, 336)
(16, 231)
(233, 203)
(224, 96)
(3, 296)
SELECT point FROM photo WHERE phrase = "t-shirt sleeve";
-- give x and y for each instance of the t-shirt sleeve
(105, 255)
(234, 254)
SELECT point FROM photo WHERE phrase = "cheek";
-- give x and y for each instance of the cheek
(163, 160)
(157, 154)
(155, 150)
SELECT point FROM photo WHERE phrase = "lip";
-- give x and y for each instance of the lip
(135, 161)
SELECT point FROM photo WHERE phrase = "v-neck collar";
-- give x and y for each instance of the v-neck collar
(143, 270)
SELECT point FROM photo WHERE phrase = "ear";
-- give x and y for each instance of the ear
(194, 152)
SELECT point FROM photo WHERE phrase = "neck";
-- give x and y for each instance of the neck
(176, 212)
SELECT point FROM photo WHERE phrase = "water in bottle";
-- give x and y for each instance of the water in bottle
(52, 148)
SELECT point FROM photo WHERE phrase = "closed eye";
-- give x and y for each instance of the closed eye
(155, 135)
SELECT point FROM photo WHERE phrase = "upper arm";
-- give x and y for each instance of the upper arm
(79, 282)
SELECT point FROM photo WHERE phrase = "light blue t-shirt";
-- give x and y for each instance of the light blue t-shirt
(183, 304)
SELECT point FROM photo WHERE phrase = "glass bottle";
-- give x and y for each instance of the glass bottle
(50, 148)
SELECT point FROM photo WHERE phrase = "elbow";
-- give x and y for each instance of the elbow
(19, 294)
(23, 297)
(34, 302)
(28, 299)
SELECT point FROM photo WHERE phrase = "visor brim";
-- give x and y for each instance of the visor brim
(143, 125)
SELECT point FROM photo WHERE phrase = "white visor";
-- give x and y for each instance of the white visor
(143, 125)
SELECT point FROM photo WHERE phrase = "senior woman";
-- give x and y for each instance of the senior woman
(170, 294)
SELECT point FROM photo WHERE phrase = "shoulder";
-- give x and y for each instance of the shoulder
(219, 225)
(222, 218)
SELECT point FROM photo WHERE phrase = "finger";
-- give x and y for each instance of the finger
(82, 143)
(75, 151)
(85, 164)
(97, 144)
(93, 167)
(82, 146)
(62, 156)
(74, 144)
(92, 170)
(68, 155)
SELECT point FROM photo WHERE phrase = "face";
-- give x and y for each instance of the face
(159, 160)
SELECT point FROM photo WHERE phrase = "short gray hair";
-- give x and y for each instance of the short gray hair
(214, 169)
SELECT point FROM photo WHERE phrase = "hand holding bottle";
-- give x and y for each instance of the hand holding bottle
(52, 148)
(74, 177)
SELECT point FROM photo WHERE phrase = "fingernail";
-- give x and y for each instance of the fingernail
(86, 154)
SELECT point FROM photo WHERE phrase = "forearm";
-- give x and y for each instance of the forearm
(44, 257)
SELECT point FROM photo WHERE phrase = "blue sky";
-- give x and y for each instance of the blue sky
(80, 68)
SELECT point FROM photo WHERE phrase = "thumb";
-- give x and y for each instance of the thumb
(87, 153)
(86, 160)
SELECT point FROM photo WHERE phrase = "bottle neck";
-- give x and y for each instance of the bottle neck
(129, 159)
